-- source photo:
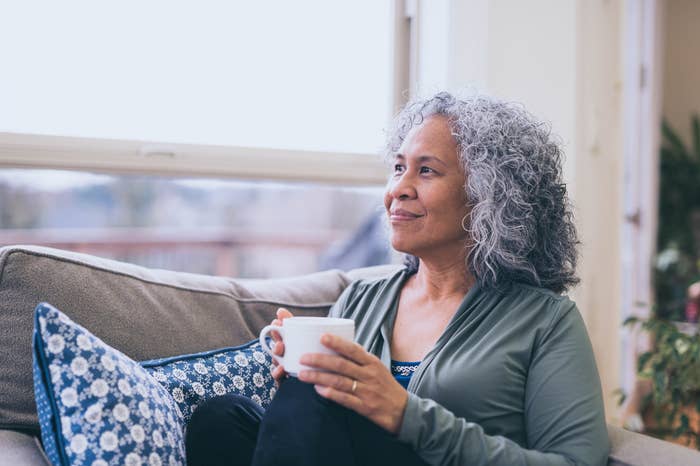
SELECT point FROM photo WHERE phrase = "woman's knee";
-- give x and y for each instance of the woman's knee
(292, 390)
(221, 427)
(301, 427)
(221, 411)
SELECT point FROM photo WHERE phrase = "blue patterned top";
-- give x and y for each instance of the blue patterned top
(402, 371)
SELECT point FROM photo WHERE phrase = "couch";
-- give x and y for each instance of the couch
(149, 313)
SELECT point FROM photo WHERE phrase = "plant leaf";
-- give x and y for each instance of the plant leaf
(630, 321)
(621, 396)
(659, 385)
(643, 360)
(673, 139)
(678, 431)
(696, 136)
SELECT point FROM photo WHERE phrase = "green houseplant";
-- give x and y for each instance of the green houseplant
(678, 240)
(673, 367)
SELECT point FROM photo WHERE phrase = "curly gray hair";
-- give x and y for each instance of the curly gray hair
(520, 223)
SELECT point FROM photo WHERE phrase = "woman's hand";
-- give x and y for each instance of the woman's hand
(357, 380)
(278, 372)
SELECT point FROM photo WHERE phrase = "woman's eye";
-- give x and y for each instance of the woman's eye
(398, 168)
(426, 170)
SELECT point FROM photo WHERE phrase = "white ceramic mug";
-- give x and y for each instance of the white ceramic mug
(302, 335)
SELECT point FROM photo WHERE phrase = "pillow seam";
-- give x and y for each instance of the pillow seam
(186, 357)
(58, 434)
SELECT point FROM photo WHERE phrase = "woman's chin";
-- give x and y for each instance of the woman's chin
(402, 246)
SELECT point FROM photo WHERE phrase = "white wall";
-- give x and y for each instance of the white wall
(598, 171)
(520, 51)
(563, 60)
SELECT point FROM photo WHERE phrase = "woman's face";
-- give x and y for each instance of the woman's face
(425, 198)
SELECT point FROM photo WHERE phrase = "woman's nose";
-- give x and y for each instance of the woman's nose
(402, 187)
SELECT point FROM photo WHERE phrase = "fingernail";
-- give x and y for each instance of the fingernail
(325, 338)
(318, 389)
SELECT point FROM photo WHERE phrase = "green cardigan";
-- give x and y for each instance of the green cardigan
(511, 381)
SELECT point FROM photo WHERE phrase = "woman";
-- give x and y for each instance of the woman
(469, 354)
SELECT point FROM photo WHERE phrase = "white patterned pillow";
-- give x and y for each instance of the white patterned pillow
(193, 378)
(96, 406)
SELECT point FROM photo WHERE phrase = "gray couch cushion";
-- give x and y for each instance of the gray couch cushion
(631, 449)
(18, 449)
(145, 313)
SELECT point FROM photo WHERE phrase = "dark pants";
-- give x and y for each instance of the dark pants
(299, 428)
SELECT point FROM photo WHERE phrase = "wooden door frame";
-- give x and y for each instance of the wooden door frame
(643, 73)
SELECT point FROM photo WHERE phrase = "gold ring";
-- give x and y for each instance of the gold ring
(354, 386)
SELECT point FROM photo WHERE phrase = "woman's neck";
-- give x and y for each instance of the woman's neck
(443, 281)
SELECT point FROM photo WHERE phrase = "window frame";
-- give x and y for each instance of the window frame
(189, 160)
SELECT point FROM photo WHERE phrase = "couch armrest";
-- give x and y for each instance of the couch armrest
(18, 449)
(632, 449)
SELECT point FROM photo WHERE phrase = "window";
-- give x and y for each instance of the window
(135, 99)
(178, 78)
(222, 227)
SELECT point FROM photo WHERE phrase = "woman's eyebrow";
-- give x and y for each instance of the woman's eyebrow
(431, 158)
(422, 158)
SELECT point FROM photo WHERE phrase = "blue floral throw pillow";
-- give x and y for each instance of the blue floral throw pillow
(193, 378)
(96, 406)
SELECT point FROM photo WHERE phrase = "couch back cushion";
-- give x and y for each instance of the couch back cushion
(144, 313)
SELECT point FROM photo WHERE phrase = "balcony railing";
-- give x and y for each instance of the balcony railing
(216, 251)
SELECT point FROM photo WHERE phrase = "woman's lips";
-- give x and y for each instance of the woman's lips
(401, 215)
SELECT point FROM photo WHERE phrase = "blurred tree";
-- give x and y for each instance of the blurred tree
(135, 198)
(679, 220)
(19, 208)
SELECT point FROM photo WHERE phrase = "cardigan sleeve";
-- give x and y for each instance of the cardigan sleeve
(564, 417)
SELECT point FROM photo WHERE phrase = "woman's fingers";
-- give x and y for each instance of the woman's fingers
(357, 380)
(326, 379)
(282, 314)
(341, 397)
(278, 372)
(348, 362)
(347, 348)
(332, 363)
(275, 334)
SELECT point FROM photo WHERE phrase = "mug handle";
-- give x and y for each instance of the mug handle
(265, 346)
